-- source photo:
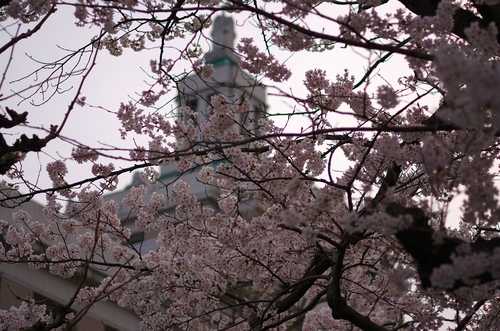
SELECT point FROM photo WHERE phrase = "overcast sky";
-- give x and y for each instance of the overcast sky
(117, 79)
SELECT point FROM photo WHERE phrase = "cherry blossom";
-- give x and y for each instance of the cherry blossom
(335, 211)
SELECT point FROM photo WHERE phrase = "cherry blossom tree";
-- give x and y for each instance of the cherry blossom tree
(364, 248)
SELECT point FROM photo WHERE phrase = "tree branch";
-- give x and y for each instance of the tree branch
(462, 18)
(28, 33)
(419, 240)
(318, 266)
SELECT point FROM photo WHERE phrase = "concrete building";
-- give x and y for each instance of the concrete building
(228, 80)
(17, 279)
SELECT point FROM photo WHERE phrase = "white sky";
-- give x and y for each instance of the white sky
(115, 79)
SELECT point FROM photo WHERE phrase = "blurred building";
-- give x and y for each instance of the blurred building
(17, 279)
(228, 80)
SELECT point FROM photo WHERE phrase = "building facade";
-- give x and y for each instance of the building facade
(17, 280)
(228, 80)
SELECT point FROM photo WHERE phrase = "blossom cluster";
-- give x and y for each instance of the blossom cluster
(133, 119)
(466, 268)
(259, 63)
(27, 314)
(380, 222)
(283, 213)
(205, 71)
(83, 154)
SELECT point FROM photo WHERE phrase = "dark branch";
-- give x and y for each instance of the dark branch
(419, 240)
(462, 18)
(318, 266)
(9, 155)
